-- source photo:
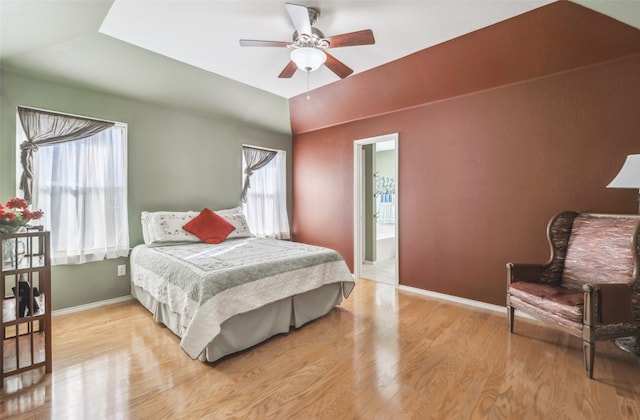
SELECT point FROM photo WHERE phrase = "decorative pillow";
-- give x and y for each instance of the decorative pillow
(209, 227)
(238, 220)
(165, 227)
(162, 228)
(226, 212)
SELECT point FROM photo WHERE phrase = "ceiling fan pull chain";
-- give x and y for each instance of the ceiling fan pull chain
(308, 73)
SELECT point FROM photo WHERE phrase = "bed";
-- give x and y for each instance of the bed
(226, 297)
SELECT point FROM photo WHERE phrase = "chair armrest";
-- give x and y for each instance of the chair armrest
(607, 303)
(530, 273)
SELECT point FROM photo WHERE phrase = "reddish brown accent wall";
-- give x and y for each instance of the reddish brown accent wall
(480, 174)
(558, 37)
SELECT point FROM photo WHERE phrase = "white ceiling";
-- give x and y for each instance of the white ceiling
(205, 34)
(187, 53)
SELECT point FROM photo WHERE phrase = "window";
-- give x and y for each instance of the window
(81, 186)
(265, 202)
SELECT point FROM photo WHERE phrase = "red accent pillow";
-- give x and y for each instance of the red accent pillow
(209, 227)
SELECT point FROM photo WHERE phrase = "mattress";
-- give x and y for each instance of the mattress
(195, 289)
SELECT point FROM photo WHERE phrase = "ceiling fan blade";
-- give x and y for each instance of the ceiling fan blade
(259, 43)
(300, 17)
(288, 71)
(351, 39)
(337, 66)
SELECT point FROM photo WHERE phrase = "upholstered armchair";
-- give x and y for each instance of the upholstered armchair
(589, 287)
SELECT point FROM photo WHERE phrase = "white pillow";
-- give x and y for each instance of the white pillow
(225, 212)
(238, 220)
(160, 228)
(165, 227)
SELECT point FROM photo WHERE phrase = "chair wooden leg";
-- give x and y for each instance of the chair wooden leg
(510, 312)
(589, 350)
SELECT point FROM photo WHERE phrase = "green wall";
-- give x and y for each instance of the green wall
(177, 161)
(386, 163)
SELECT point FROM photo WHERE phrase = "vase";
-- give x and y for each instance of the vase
(13, 250)
(11, 256)
(11, 228)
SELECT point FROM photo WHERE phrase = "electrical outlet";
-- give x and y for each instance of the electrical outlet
(122, 270)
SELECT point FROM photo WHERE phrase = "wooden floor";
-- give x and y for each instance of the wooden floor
(382, 354)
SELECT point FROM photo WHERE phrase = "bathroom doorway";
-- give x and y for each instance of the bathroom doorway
(375, 209)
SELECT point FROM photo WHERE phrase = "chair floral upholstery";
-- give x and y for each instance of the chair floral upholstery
(590, 286)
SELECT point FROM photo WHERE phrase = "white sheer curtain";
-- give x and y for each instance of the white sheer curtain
(266, 199)
(81, 186)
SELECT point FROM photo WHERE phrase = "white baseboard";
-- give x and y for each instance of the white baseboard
(91, 305)
(436, 295)
(463, 301)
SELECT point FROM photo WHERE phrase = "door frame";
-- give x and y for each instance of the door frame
(358, 201)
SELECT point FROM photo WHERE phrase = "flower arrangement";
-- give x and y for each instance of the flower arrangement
(16, 214)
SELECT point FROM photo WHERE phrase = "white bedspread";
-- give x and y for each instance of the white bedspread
(208, 284)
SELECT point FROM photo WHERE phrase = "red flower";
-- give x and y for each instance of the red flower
(15, 213)
(35, 215)
(17, 203)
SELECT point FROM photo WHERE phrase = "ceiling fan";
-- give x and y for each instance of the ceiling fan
(309, 46)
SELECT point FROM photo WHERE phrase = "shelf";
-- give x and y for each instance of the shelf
(25, 340)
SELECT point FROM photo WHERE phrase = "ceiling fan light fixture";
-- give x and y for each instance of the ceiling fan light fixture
(308, 59)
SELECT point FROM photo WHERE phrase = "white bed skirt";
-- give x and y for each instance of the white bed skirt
(248, 329)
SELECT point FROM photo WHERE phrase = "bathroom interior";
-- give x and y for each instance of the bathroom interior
(380, 212)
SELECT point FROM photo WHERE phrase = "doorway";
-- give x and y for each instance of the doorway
(376, 209)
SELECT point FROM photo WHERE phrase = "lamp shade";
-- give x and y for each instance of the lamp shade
(629, 175)
(308, 59)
